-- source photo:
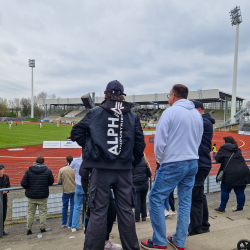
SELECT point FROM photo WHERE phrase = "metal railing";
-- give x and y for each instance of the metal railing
(17, 208)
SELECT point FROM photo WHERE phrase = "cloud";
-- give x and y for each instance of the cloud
(148, 45)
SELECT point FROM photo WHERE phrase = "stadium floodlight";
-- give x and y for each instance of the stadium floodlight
(32, 65)
(236, 19)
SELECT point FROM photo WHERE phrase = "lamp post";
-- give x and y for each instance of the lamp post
(32, 65)
(236, 19)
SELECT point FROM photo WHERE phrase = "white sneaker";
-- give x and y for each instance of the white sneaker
(166, 213)
(69, 227)
(73, 230)
(110, 246)
(172, 213)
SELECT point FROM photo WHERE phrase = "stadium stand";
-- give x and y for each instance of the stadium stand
(74, 113)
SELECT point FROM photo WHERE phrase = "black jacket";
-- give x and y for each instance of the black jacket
(6, 184)
(36, 181)
(204, 161)
(237, 172)
(141, 173)
(111, 136)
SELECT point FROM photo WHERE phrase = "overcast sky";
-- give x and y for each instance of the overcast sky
(148, 45)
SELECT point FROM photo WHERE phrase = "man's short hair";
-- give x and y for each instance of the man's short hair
(69, 159)
(198, 104)
(180, 91)
(40, 159)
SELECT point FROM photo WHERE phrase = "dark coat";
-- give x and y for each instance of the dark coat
(141, 173)
(111, 136)
(36, 181)
(204, 161)
(6, 184)
(237, 172)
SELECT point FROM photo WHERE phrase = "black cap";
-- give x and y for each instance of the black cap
(115, 85)
(198, 104)
(1, 166)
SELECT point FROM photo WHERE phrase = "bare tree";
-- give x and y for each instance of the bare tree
(26, 106)
(53, 96)
(42, 95)
(3, 106)
(17, 104)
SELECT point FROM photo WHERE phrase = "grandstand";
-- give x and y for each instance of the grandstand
(148, 107)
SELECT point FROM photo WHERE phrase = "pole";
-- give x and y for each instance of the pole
(32, 98)
(233, 101)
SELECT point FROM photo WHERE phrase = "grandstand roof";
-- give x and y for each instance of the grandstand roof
(205, 96)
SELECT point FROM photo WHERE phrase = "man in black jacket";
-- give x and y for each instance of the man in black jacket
(199, 210)
(4, 183)
(112, 139)
(36, 181)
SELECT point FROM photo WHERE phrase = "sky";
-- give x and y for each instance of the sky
(148, 45)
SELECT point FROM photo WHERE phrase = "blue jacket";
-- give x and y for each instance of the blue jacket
(205, 146)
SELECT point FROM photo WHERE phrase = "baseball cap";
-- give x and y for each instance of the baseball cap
(1, 166)
(198, 104)
(115, 85)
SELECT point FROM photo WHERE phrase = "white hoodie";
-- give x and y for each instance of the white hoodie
(178, 133)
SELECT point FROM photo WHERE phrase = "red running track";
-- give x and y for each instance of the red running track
(16, 162)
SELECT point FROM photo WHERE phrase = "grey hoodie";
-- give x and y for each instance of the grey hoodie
(178, 133)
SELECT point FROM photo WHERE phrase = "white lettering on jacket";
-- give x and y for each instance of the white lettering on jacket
(115, 129)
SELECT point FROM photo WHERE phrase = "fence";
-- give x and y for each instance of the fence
(17, 201)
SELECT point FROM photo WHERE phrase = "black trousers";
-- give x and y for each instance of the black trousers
(141, 196)
(111, 217)
(171, 201)
(199, 210)
(99, 199)
(4, 211)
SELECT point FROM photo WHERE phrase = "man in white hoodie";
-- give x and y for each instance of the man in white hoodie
(178, 137)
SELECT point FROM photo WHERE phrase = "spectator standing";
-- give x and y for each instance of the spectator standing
(141, 174)
(236, 174)
(4, 183)
(214, 151)
(177, 139)
(113, 139)
(199, 211)
(79, 194)
(36, 181)
(66, 178)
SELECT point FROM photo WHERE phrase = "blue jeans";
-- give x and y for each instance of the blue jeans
(240, 195)
(180, 174)
(65, 200)
(78, 200)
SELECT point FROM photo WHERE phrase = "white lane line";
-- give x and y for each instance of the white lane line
(242, 144)
(16, 157)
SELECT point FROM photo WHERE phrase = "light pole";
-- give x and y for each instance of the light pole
(236, 19)
(32, 65)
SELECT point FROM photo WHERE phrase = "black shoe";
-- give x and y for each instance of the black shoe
(219, 210)
(29, 232)
(5, 234)
(137, 221)
(143, 219)
(205, 231)
(43, 230)
(236, 210)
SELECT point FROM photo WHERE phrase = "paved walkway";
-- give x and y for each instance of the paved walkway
(226, 230)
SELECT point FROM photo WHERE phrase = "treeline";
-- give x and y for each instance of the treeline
(15, 106)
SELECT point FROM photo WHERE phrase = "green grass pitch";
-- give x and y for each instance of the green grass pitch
(30, 134)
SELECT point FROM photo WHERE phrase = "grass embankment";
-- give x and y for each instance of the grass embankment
(30, 134)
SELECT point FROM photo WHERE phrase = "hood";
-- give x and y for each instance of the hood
(230, 147)
(208, 116)
(38, 168)
(116, 107)
(184, 103)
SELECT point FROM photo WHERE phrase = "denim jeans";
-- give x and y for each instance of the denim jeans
(78, 201)
(180, 174)
(65, 200)
(239, 192)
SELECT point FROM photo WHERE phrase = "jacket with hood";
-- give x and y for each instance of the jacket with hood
(6, 184)
(237, 172)
(36, 181)
(178, 133)
(204, 161)
(111, 136)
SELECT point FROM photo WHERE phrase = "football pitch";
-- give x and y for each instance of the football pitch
(30, 134)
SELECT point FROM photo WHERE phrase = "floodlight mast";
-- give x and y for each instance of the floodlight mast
(32, 65)
(236, 19)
